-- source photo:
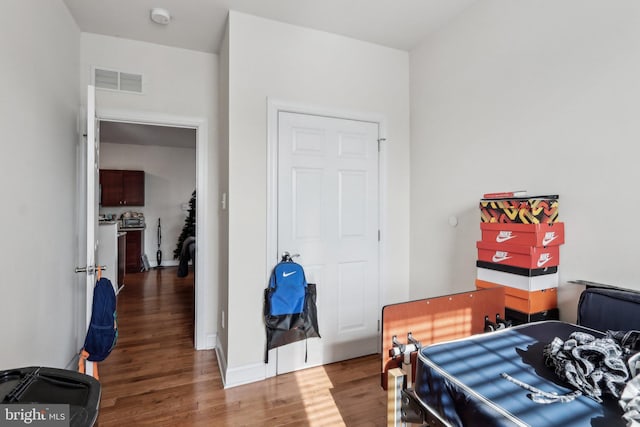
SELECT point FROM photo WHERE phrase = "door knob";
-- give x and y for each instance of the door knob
(91, 269)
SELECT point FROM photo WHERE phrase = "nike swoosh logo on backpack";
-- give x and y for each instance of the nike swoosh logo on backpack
(288, 274)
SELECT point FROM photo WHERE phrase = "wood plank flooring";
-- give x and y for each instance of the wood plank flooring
(154, 377)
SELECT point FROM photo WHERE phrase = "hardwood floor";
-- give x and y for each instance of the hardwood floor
(154, 377)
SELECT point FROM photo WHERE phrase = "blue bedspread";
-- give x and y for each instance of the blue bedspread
(461, 381)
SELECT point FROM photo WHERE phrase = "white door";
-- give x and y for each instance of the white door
(88, 166)
(328, 212)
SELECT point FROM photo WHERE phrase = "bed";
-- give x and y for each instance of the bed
(462, 382)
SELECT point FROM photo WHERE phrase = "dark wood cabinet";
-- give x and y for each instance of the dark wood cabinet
(133, 188)
(121, 187)
(110, 187)
(133, 251)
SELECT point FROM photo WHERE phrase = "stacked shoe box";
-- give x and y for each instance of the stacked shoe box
(520, 251)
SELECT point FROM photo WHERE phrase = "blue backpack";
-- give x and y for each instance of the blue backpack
(290, 312)
(103, 330)
(287, 285)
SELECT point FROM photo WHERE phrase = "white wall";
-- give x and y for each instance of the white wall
(170, 178)
(540, 96)
(271, 59)
(177, 82)
(40, 45)
(223, 166)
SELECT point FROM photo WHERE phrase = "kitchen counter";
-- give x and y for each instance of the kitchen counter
(120, 227)
(125, 229)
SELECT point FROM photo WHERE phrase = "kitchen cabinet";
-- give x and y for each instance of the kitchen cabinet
(133, 251)
(121, 187)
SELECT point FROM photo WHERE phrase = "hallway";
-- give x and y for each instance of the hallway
(154, 369)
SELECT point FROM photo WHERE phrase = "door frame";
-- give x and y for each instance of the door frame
(276, 106)
(201, 341)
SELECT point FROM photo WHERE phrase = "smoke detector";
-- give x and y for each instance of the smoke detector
(160, 16)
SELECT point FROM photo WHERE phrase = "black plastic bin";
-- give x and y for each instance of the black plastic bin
(40, 385)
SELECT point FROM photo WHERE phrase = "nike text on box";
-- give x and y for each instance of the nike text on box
(524, 234)
(525, 301)
(525, 283)
(530, 257)
(523, 210)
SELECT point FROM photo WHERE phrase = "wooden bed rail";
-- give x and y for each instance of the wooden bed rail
(433, 320)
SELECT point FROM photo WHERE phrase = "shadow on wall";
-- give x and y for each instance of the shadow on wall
(462, 256)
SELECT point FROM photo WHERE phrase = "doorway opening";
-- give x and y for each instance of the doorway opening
(179, 136)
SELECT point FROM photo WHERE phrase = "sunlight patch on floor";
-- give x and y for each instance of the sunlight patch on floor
(315, 390)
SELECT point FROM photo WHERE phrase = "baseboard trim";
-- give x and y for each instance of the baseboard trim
(222, 362)
(166, 263)
(210, 342)
(233, 377)
(245, 375)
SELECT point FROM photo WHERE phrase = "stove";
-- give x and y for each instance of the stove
(137, 222)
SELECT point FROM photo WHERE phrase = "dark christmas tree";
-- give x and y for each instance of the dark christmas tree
(189, 228)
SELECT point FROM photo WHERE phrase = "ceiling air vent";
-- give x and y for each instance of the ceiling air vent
(117, 80)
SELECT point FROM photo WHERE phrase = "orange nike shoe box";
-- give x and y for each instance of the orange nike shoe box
(525, 301)
(540, 235)
(530, 257)
(523, 210)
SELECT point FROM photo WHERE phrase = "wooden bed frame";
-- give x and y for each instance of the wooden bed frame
(406, 327)
(434, 320)
(424, 315)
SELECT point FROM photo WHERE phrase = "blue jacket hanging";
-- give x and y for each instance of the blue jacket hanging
(103, 330)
